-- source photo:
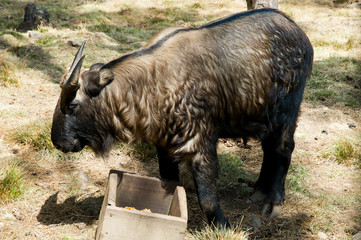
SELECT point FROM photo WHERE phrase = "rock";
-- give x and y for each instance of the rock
(255, 221)
(357, 236)
(125, 24)
(18, 215)
(84, 180)
(8, 217)
(35, 36)
(80, 225)
(33, 17)
(35, 234)
(74, 43)
(322, 235)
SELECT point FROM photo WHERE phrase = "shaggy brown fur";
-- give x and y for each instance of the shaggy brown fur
(242, 76)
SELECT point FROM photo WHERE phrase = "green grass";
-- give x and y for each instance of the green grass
(36, 134)
(346, 151)
(12, 184)
(232, 169)
(47, 41)
(296, 178)
(335, 81)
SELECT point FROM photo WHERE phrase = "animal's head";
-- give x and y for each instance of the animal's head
(78, 111)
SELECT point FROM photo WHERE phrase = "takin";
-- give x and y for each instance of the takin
(242, 76)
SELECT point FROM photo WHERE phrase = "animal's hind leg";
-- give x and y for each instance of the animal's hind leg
(270, 186)
(168, 167)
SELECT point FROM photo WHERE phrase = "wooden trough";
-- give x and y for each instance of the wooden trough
(165, 199)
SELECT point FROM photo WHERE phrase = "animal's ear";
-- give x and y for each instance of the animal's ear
(106, 77)
(95, 80)
(96, 66)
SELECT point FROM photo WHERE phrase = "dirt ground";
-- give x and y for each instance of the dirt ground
(65, 191)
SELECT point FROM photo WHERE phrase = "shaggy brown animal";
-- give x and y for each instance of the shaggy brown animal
(241, 76)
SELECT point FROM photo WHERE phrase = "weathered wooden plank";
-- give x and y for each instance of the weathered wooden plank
(166, 200)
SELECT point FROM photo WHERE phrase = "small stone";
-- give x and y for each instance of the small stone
(322, 235)
(35, 234)
(84, 180)
(357, 236)
(180, 23)
(18, 215)
(255, 221)
(74, 43)
(15, 150)
(125, 24)
(35, 36)
(80, 225)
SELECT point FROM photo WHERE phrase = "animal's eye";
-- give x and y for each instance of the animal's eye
(71, 107)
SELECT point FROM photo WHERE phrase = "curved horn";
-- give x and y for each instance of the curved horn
(71, 84)
(77, 56)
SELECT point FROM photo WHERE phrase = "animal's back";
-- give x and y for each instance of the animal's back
(236, 68)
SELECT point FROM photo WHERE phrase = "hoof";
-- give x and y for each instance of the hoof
(258, 196)
(273, 209)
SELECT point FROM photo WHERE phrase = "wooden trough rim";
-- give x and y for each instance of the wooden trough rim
(179, 195)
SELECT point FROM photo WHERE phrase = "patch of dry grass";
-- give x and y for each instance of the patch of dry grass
(212, 233)
(7, 69)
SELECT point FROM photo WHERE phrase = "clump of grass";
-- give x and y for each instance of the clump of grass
(12, 33)
(36, 134)
(346, 151)
(7, 77)
(196, 6)
(11, 182)
(296, 178)
(46, 41)
(213, 233)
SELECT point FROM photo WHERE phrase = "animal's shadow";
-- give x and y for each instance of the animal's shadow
(70, 211)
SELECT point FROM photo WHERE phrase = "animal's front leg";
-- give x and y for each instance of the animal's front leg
(205, 171)
(168, 167)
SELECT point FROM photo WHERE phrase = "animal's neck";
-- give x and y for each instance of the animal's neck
(133, 99)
